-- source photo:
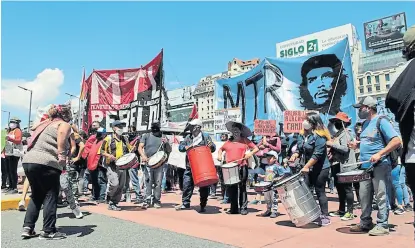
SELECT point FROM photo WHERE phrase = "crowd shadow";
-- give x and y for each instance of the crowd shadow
(211, 210)
(288, 223)
(81, 230)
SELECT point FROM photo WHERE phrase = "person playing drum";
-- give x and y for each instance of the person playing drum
(312, 144)
(113, 148)
(194, 139)
(271, 172)
(150, 144)
(340, 155)
(236, 152)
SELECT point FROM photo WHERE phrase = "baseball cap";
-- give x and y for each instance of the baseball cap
(118, 123)
(272, 153)
(196, 122)
(368, 101)
(409, 36)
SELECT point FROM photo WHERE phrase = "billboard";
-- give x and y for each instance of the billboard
(320, 82)
(179, 115)
(385, 32)
(182, 96)
(316, 42)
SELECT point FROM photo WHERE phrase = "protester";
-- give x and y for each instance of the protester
(312, 144)
(401, 193)
(236, 149)
(13, 152)
(96, 167)
(377, 140)
(43, 164)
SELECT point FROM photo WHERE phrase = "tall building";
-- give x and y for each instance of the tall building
(375, 72)
(204, 93)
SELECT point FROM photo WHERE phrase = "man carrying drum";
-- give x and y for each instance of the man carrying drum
(194, 139)
(113, 148)
(150, 145)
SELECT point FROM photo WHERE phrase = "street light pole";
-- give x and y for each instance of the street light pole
(79, 109)
(30, 105)
(8, 119)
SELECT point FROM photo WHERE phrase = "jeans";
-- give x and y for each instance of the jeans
(44, 183)
(271, 200)
(398, 181)
(4, 173)
(164, 179)
(188, 187)
(116, 183)
(233, 191)
(345, 192)
(69, 188)
(153, 177)
(135, 181)
(317, 178)
(180, 175)
(11, 163)
(410, 179)
(99, 183)
(378, 186)
(85, 180)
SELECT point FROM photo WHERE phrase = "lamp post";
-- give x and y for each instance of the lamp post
(79, 109)
(8, 118)
(30, 105)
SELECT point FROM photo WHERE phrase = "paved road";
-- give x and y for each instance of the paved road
(97, 230)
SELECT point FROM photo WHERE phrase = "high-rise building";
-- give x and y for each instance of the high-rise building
(204, 93)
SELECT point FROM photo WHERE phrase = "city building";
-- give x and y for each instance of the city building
(180, 104)
(375, 72)
(204, 93)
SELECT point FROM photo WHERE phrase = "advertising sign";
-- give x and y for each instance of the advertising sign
(179, 115)
(385, 32)
(265, 127)
(225, 115)
(316, 42)
(320, 82)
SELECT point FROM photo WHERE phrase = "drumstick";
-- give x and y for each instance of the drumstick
(361, 162)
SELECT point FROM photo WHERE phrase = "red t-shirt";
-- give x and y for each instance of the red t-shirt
(236, 150)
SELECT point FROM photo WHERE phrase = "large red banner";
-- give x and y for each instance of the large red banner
(130, 95)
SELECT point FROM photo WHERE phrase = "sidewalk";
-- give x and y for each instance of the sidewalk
(11, 202)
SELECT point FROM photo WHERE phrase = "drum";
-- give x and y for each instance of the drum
(354, 176)
(127, 161)
(157, 160)
(202, 165)
(230, 173)
(262, 186)
(298, 200)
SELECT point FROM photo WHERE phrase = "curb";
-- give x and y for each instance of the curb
(12, 204)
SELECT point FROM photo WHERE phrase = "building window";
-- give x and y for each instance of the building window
(387, 77)
(379, 98)
(377, 79)
(388, 86)
(377, 88)
(369, 89)
(361, 91)
(361, 81)
(369, 79)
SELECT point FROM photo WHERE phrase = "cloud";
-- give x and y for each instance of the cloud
(173, 85)
(45, 89)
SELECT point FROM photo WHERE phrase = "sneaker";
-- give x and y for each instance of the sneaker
(325, 221)
(224, 202)
(5, 190)
(379, 231)
(274, 215)
(230, 212)
(265, 214)
(22, 205)
(359, 228)
(244, 212)
(145, 205)
(182, 207)
(52, 236)
(254, 202)
(348, 216)
(77, 212)
(12, 191)
(399, 211)
(337, 214)
(28, 233)
(202, 210)
(408, 208)
(113, 207)
(157, 205)
(212, 197)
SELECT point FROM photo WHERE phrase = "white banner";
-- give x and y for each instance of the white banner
(223, 116)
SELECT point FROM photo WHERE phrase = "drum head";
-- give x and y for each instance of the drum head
(284, 180)
(351, 173)
(156, 158)
(230, 165)
(125, 159)
(261, 184)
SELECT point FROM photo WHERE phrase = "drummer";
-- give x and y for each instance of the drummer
(236, 151)
(114, 147)
(150, 144)
(194, 139)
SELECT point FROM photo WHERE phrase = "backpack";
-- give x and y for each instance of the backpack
(395, 154)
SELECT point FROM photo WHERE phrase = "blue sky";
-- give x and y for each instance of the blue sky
(198, 38)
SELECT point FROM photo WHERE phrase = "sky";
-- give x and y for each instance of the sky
(45, 45)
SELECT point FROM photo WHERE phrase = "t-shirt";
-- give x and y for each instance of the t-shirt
(236, 150)
(271, 171)
(151, 144)
(371, 142)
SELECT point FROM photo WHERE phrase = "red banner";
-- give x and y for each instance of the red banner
(130, 95)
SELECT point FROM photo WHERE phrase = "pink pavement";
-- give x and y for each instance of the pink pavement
(252, 231)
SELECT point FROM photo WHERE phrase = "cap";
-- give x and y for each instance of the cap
(368, 101)
(155, 124)
(272, 153)
(15, 119)
(196, 122)
(118, 123)
(341, 116)
(409, 36)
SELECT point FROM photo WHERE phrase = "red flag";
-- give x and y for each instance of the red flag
(83, 87)
(175, 140)
(194, 114)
